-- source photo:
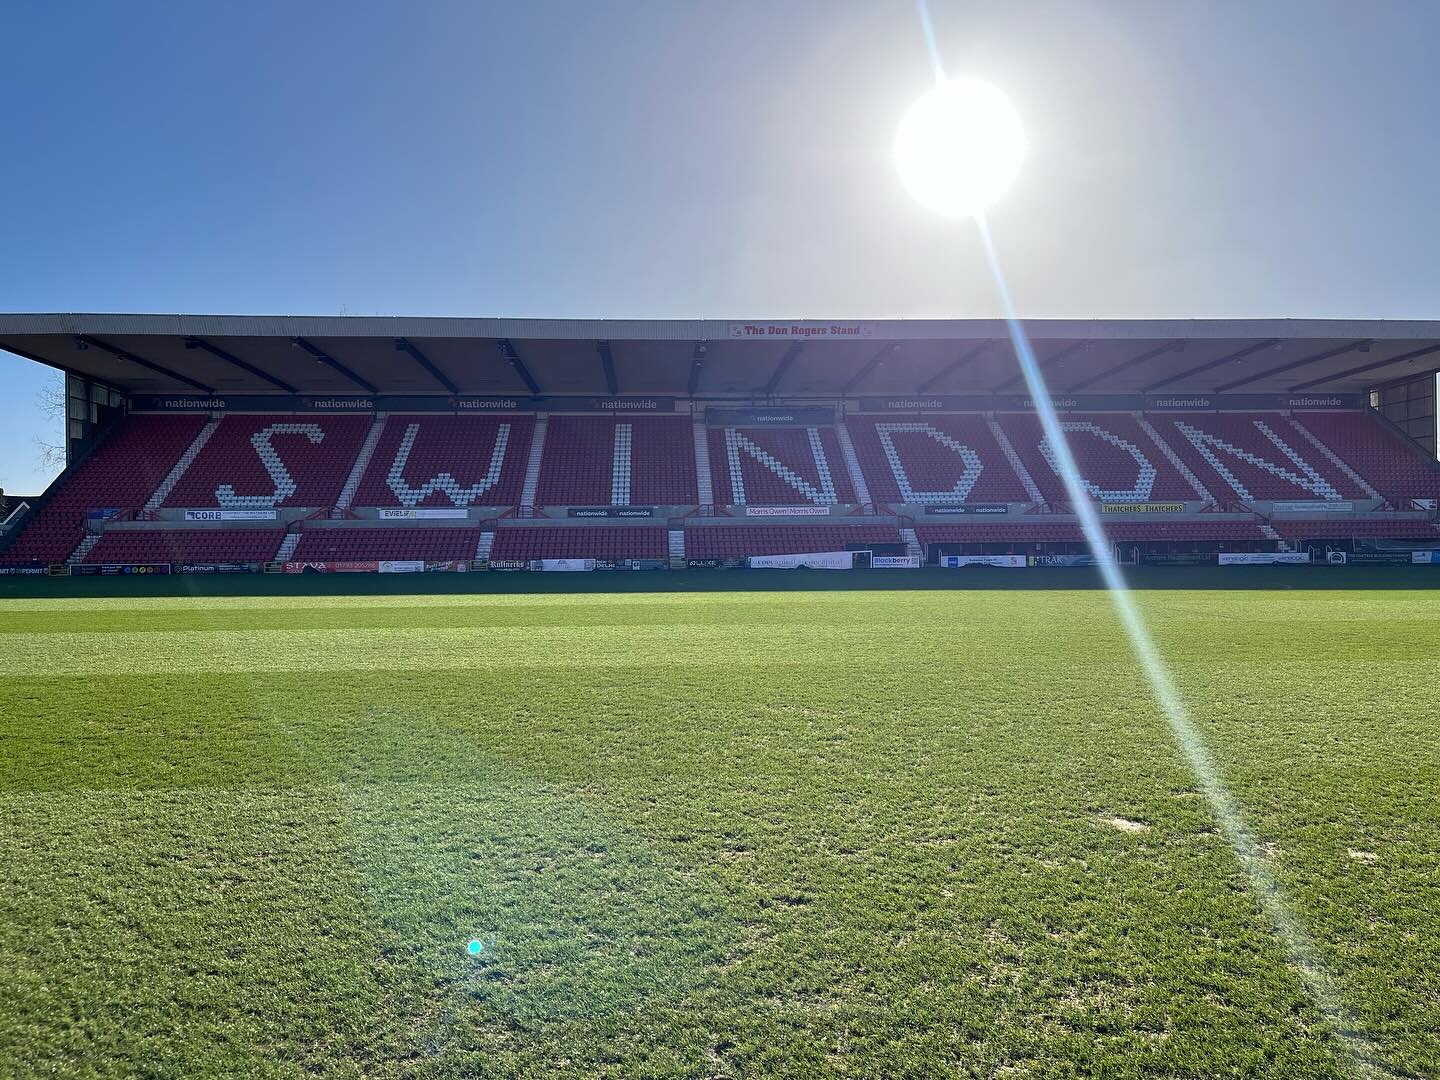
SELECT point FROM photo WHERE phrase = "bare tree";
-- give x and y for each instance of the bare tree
(51, 403)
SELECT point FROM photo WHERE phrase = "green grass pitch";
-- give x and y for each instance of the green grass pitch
(729, 834)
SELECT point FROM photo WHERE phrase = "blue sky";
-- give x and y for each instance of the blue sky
(1221, 157)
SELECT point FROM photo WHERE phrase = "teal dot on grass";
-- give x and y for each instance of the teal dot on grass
(474, 947)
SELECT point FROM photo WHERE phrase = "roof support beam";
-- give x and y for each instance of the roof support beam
(782, 367)
(1374, 365)
(697, 362)
(869, 367)
(409, 349)
(123, 354)
(1239, 354)
(1354, 346)
(607, 365)
(1126, 365)
(512, 357)
(954, 366)
(1045, 365)
(329, 361)
(221, 354)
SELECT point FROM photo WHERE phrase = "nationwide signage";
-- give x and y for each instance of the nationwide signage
(1143, 508)
(802, 331)
(611, 512)
(919, 403)
(451, 403)
(780, 416)
(230, 515)
(969, 508)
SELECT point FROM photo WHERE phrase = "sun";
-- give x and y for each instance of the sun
(959, 147)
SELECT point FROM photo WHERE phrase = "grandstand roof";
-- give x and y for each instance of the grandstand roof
(751, 359)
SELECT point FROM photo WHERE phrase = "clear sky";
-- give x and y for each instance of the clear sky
(727, 158)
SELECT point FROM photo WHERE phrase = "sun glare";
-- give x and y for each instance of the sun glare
(960, 147)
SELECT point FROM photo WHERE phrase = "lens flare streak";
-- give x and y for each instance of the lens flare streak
(1297, 942)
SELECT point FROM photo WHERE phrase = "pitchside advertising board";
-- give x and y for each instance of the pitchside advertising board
(459, 403)
(1264, 558)
(957, 561)
(1110, 402)
(119, 569)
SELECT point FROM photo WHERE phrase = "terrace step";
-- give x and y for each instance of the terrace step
(852, 462)
(482, 548)
(912, 543)
(84, 548)
(362, 462)
(287, 546)
(620, 466)
(705, 491)
(532, 467)
(1013, 458)
(677, 549)
(177, 470)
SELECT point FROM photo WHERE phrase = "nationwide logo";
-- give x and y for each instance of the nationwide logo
(914, 403)
(628, 403)
(338, 403)
(1310, 402)
(1059, 403)
(193, 403)
(484, 403)
(1182, 403)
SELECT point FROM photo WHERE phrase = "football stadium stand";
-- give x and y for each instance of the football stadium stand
(1118, 461)
(934, 459)
(408, 542)
(779, 466)
(261, 462)
(739, 541)
(121, 473)
(1253, 456)
(165, 468)
(196, 545)
(609, 461)
(436, 461)
(590, 542)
